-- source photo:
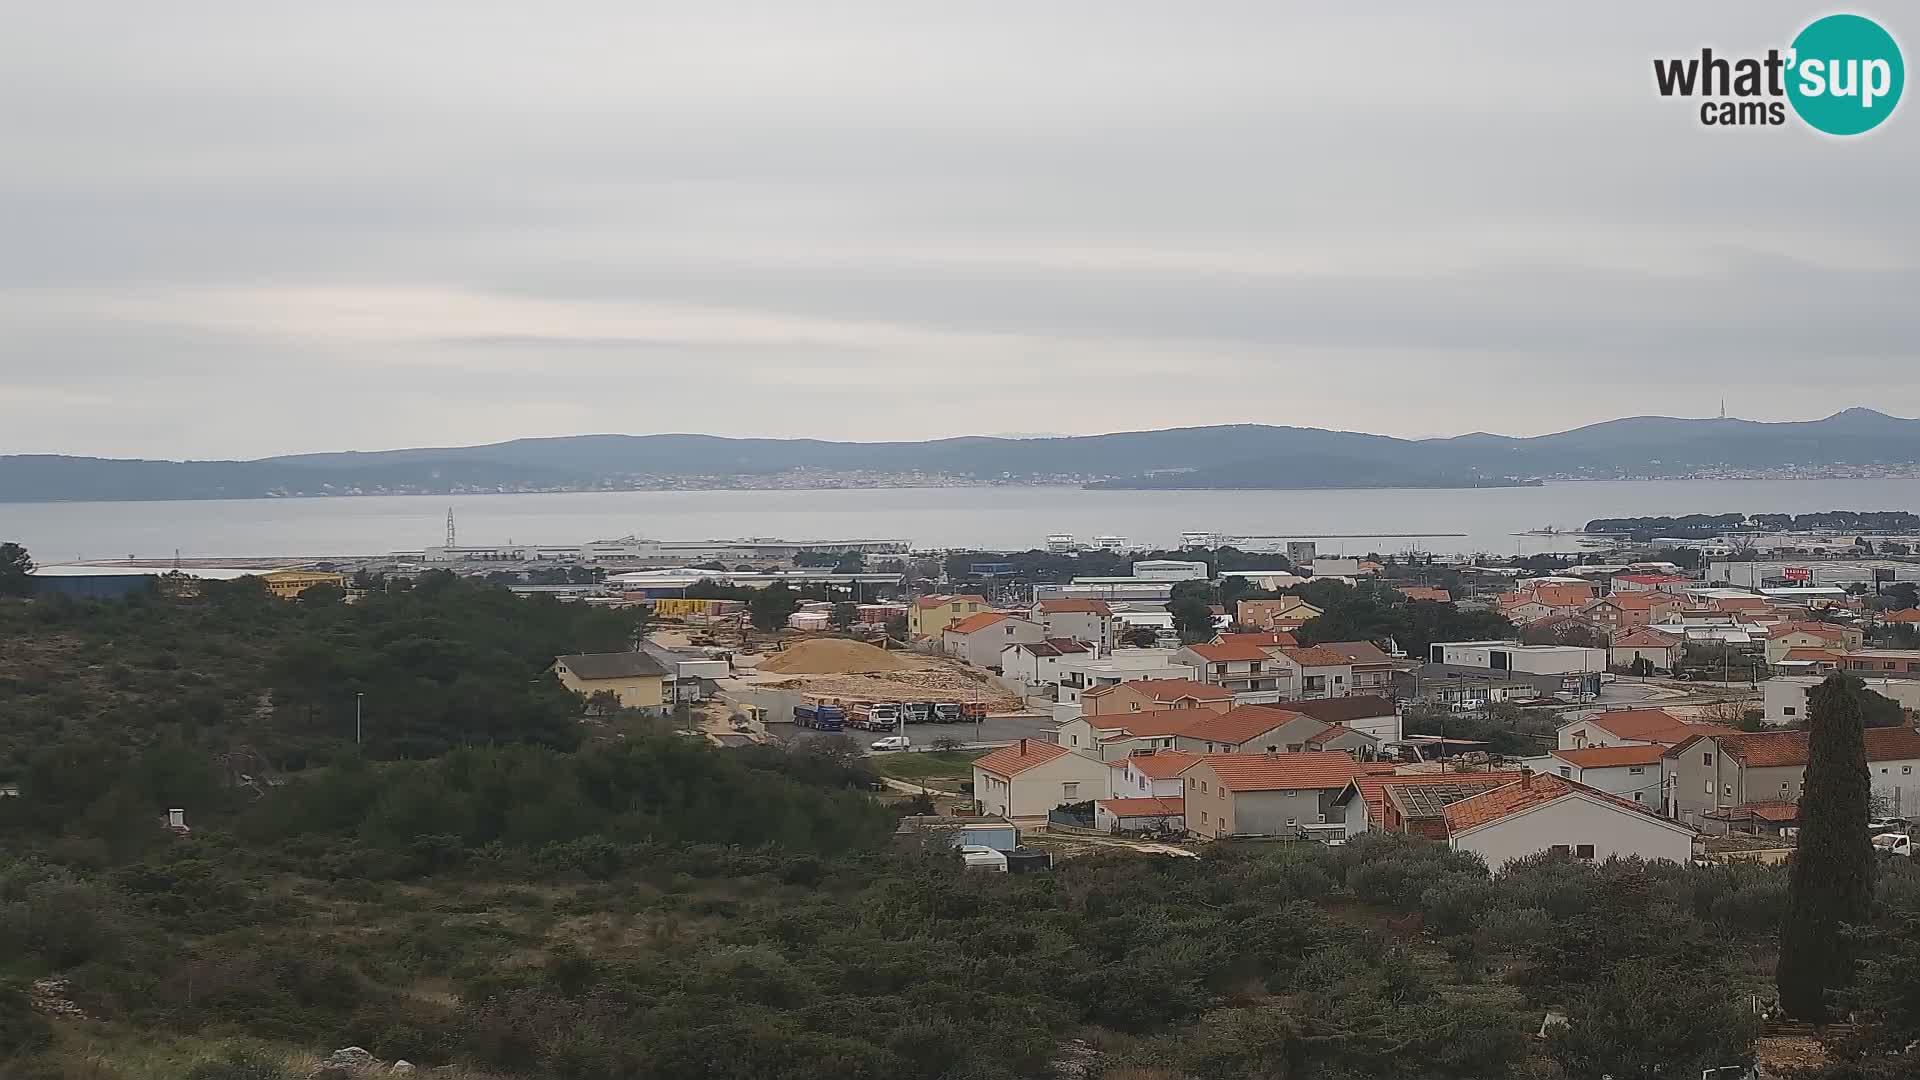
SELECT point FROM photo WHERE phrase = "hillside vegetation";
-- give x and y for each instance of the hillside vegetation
(486, 890)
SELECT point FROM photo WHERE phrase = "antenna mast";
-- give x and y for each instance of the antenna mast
(450, 542)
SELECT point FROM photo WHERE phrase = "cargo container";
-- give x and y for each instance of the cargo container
(819, 715)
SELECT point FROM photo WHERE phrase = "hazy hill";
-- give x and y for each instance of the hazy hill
(1228, 456)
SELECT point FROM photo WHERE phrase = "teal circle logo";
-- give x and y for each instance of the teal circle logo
(1846, 75)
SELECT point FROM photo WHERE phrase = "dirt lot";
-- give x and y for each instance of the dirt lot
(929, 678)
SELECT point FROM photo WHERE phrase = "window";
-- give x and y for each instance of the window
(1637, 796)
(1561, 849)
(1636, 770)
(1070, 791)
(1075, 738)
(1203, 817)
(1289, 823)
(1706, 760)
(1709, 787)
(1906, 770)
(1783, 785)
(1727, 790)
(1584, 851)
(1566, 772)
(1223, 794)
(1788, 710)
(1203, 785)
(1339, 678)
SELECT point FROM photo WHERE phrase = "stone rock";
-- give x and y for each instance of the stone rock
(403, 1067)
(350, 1057)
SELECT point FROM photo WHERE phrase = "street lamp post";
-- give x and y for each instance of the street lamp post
(357, 695)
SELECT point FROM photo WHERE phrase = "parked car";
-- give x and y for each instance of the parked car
(1879, 825)
(1897, 844)
(891, 742)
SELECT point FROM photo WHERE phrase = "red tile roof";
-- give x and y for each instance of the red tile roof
(1019, 757)
(1819, 630)
(1148, 807)
(1223, 653)
(1357, 652)
(1804, 652)
(973, 623)
(1786, 749)
(1147, 725)
(1237, 725)
(1373, 787)
(1166, 690)
(1535, 789)
(1774, 811)
(1162, 764)
(1334, 731)
(1640, 601)
(1423, 592)
(1907, 615)
(1343, 710)
(1317, 656)
(1563, 595)
(1607, 757)
(1653, 725)
(1065, 607)
(1282, 772)
(1270, 639)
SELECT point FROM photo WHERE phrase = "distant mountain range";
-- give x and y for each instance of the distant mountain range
(1238, 456)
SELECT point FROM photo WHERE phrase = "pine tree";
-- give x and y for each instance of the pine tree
(1831, 885)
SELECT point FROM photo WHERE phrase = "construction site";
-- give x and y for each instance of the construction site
(842, 669)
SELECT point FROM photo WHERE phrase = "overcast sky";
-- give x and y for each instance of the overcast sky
(232, 230)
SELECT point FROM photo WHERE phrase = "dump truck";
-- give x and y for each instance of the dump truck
(876, 716)
(820, 715)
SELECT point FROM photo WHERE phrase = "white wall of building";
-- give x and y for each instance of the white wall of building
(1574, 820)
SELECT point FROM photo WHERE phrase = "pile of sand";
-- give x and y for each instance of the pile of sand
(832, 656)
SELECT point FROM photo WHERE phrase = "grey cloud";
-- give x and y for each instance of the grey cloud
(1092, 215)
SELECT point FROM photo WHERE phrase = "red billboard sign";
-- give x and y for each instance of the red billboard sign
(1798, 573)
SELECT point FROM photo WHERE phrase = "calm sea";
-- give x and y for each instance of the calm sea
(1488, 519)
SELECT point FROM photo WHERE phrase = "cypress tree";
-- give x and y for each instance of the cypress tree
(1831, 884)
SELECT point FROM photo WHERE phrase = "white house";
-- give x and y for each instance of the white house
(1550, 813)
(979, 639)
(1146, 775)
(1632, 772)
(1786, 695)
(1252, 674)
(1088, 621)
(1645, 643)
(1031, 777)
(1324, 671)
(1033, 667)
(1086, 671)
(1633, 727)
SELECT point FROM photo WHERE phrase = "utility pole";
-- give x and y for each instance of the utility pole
(357, 695)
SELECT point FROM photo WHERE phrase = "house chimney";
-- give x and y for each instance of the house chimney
(1526, 777)
(1023, 748)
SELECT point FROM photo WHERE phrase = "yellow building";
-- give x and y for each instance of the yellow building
(637, 680)
(288, 584)
(930, 616)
